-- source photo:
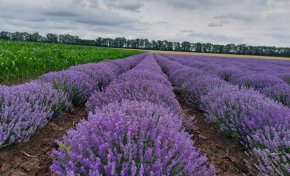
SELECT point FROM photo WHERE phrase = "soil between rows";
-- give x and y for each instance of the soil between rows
(33, 158)
(229, 158)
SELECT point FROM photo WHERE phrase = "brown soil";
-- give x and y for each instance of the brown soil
(33, 158)
(229, 158)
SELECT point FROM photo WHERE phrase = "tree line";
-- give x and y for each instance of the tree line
(122, 42)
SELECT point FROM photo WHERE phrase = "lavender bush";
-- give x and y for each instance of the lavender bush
(77, 85)
(258, 81)
(279, 92)
(242, 110)
(181, 76)
(80, 82)
(194, 89)
(247, 115)
(131, 138)
(286, 78)
(137, 74)
(152, 85)
(270, 75)
(138, 90)
(101, 73)
(26, 108)
(271, 146)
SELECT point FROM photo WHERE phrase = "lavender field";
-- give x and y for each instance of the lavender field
(134, 121)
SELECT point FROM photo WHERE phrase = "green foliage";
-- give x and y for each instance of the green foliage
(21, 61)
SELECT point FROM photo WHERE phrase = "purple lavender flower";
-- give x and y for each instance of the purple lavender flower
(130, 138)
(137, 74)
(80, 82)
(77, 85)
(138, 90)
(26, 108)
(195, 88)
(278, 92)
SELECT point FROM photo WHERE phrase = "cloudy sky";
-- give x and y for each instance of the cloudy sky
(254, 22)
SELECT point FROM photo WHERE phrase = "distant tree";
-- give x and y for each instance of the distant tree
(177, 46)
(4, 35)
(198, 47)
(148, 45)
(185, 46)
(208, 47)
(35, 37)
(155, 45)
(51, 38)
(169, 46)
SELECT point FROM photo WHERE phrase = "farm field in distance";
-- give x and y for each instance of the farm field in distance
(215, 109)
(20, 61)
(214, 55)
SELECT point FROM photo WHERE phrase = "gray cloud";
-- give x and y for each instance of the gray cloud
(236, 16)
(259, 22)
(219, 24)
(190, 4)
(280, 36)
(60, 14)
(130, 5)
(204, 37)
(214, 25)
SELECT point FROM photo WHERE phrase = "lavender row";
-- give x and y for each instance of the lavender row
(246, 115)
(28, 107)
(80, 81)
(277, 68)
(145, 82)
(270, 85)
(134, 128)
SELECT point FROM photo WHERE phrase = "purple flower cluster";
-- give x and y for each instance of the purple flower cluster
(134, 128)
(286, 77)
(260, 123)
(144, 82)
(195, 88)
(129, 138)
(77, 85)
(28, 107)
(80, 81)
(270, 78)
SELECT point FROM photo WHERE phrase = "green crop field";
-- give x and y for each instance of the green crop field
(21, 61)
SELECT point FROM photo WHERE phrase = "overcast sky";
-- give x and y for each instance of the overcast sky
(254, 22)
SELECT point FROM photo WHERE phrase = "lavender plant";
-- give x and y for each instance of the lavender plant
(195, 88)
(77, 85)
(130, 138)
(26, 108)
(137, 74)
(81, 81)
(138, 90)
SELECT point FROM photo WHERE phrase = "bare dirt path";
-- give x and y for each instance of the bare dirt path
(33, 158)
(229, 158)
